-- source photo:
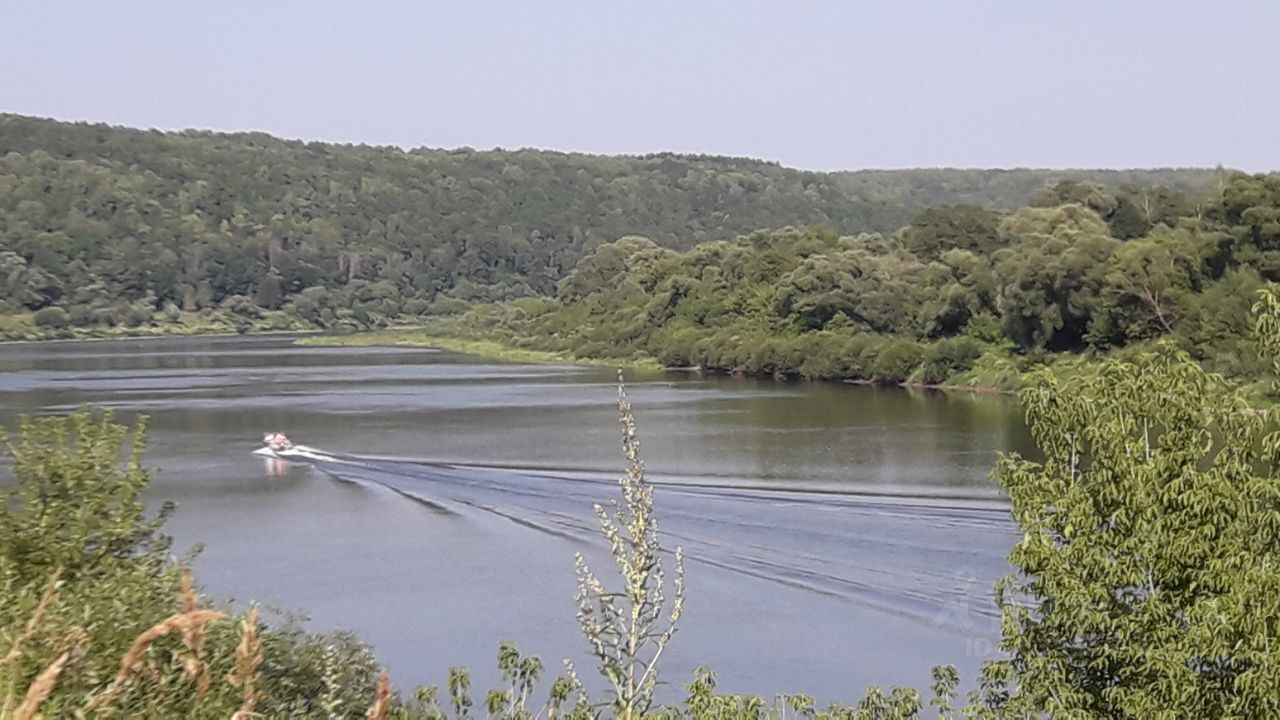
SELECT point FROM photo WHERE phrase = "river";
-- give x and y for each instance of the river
(837, 536)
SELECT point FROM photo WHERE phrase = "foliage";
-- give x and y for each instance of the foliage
(1148, 578)
(959, 289)
(133, 232)
(121, 624)
(75, 505)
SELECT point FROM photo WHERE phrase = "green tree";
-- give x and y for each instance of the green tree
(1249, 211)
(936, 231)
(192, 218)
(876, 291)
(1148, 575)
(1077, 192)
(1051, 275)
(603, 268)
(1148, 282)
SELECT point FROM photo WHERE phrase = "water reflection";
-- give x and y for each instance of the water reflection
(275, 467)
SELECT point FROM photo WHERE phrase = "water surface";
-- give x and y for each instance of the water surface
(838, 536)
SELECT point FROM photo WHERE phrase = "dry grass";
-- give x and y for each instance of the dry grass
(40, 689)
(245, 673)
(381, 707)
(186, 623)
(45, 601)
(187, 593)
(193, 637)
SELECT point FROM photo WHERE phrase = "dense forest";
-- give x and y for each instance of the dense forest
(112, 228)
(960, 296)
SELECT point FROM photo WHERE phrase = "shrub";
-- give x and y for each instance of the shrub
(948, 357)
(444, 305)
(14, 329)
(674, 348)
(52, 318)
(895, 360)
(116, 602)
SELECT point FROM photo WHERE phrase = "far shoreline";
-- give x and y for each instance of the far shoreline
(494, 350)
(487, 349)
(159, 336)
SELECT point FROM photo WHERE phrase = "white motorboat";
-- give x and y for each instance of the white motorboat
(278, 445)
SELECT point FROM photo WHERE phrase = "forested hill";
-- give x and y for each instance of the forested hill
(917, 189)
(111, 223)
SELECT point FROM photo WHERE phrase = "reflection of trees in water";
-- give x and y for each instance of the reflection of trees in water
(861, 434)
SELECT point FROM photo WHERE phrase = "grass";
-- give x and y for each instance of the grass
(993, 372)
(492, 349)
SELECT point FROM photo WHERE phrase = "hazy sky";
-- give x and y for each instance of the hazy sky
(828, 85)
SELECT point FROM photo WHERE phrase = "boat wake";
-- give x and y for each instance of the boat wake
(932, 560)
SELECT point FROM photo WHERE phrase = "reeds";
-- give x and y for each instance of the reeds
(245, 673)
(193, 638)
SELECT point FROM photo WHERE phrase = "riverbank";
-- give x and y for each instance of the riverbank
(493, 350)
(27, 327)
(988, 376)
(995, 376)
(995, 372)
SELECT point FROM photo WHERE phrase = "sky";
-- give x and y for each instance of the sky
(818, 85)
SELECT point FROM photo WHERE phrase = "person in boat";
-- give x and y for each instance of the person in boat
(277, 442)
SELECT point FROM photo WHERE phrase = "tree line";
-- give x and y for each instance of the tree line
(113, 228)
(961, 295)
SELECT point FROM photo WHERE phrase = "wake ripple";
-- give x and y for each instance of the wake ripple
(928, 559)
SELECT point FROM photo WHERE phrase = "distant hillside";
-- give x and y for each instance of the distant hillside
(1002, 189)
(92, 216)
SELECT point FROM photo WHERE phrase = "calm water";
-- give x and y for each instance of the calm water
(838, 536)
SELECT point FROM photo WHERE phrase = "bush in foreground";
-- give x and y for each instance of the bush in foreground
(96, 617)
